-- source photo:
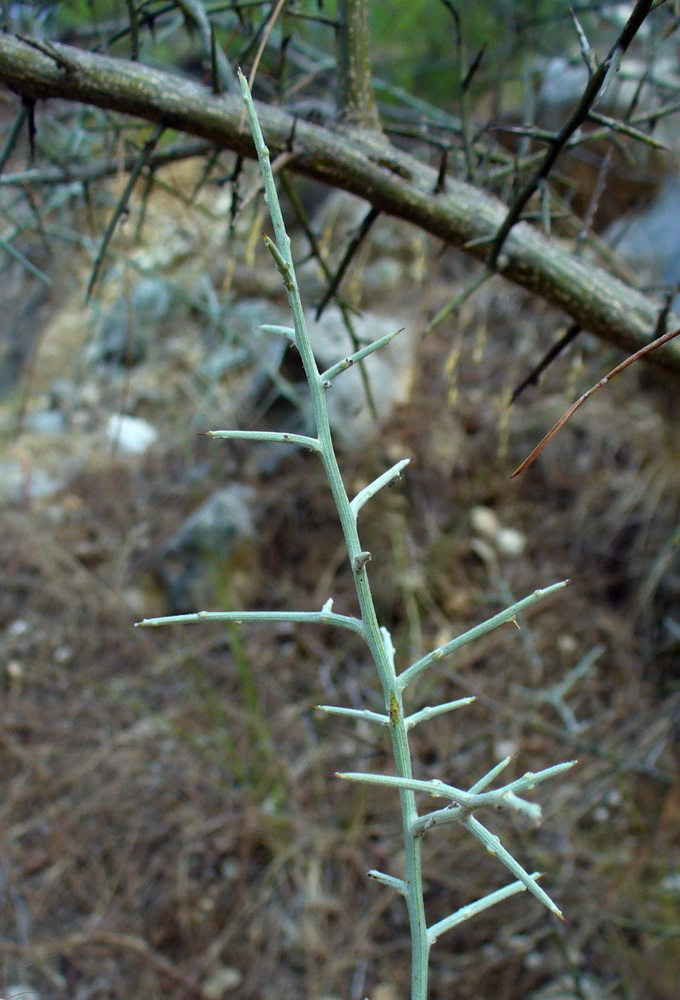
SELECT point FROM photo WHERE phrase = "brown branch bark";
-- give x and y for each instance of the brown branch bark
(392, 181)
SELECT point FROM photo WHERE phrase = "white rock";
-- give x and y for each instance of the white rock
(505, 748)
(20, 626)
(19, 481)
(510, 542)
(671, 883)
(384, 991)
(563, 82)
(20, 991)
(485, 522)
(220, 982)
(130, 435)
(507, 541)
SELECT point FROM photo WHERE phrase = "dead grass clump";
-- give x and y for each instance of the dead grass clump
(170, 824)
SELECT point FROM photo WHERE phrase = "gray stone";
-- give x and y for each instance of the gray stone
(218, 525)
(649, 239)
(277, 376)
(195, 567)
(391, 251)
(20, 991)
(46, 422)
(130, 435)
(388, 371)
(19, 482)
(130, 325)
(565, 79)
(243, 339)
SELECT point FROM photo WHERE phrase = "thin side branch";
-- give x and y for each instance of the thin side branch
(356, 713)
(507, 615)
(280, 437)
(472, 909)
(342, 366)
(433, 710)
(121, 207)
(323, 617)
(370, 491)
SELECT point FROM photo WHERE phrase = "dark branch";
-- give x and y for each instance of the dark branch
(391, 180)
(580, 114)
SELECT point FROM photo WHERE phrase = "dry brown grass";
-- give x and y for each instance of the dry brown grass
(168, 812)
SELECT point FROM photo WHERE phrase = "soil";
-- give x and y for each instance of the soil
(171, 823)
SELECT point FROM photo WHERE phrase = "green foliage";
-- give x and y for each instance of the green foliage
(428, 46)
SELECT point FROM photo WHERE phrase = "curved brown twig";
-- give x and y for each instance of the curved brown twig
(593, 389)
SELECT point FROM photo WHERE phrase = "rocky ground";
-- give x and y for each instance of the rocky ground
(171, 826)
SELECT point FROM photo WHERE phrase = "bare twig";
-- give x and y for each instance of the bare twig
(67, 173)
(586, 395)
(593, 91)
(553, 352)
(142, 161)
(354, 244)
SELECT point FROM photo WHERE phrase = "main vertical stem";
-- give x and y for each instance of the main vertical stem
(394, 708)
(358, 559)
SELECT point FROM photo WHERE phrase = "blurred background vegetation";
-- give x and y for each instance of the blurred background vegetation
(169, 826)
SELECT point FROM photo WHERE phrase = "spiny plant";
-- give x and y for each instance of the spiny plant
(461, 805)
